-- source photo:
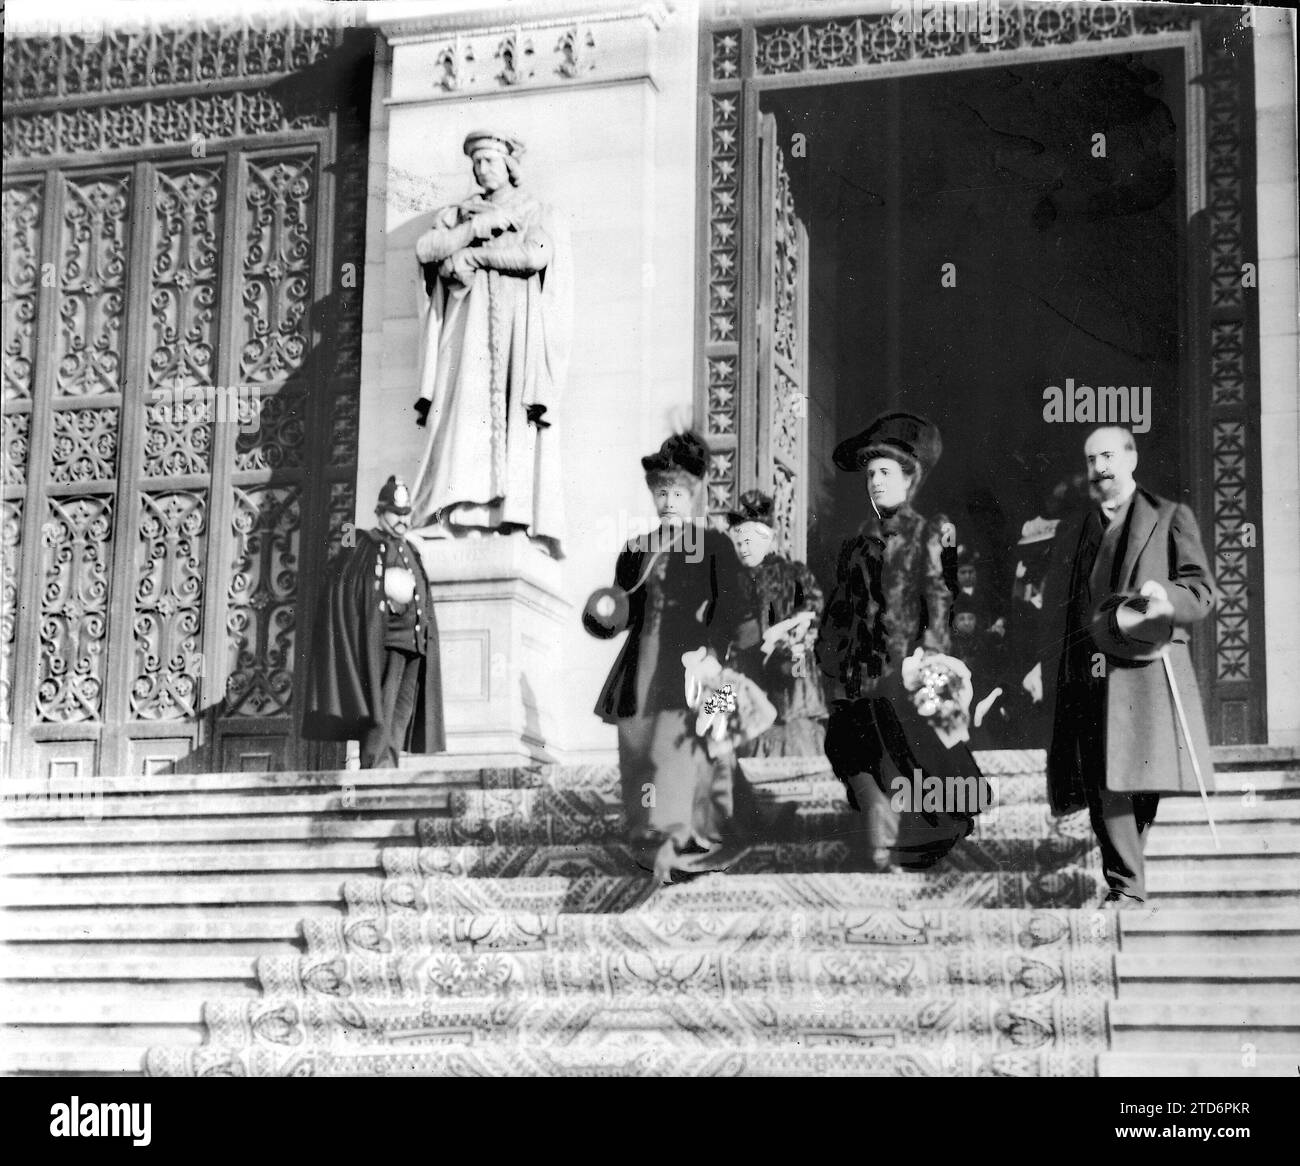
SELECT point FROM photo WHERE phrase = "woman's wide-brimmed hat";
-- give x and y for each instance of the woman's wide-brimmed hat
(908, 437)
(683, 453)
(755, 506)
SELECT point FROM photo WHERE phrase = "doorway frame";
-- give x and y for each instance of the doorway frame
(743, 57)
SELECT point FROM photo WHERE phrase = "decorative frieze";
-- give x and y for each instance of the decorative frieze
(92, 129)
(436, 59)
(114, 60)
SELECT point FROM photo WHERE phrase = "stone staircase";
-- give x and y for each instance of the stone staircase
(482, 921)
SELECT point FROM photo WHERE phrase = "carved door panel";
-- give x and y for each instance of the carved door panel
(780, 454)
(171, 462)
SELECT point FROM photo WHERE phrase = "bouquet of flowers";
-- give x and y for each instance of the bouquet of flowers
(730, 708)
(940, 690)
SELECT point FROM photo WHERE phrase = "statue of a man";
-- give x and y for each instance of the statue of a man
(494, 355)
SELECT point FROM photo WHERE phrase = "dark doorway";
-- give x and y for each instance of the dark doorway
(1056, 192)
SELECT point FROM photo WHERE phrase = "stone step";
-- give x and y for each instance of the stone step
(985, 1020)
(577, 817)
(1171, 1065)
(1270, 977)
(160, 952)
(180, 831)
(362, 800)
(697, 974)
(302, 887)
(316, 855)
(610, 858)
(1218, 865)
(605, 797)
(1270, 841)
(1065, 887)
(789, 927)
(110, 1050)
(100, 1059)
(274, 782)
(120, 925)
(29, 1005)
(802, 823)
(647, 1055)
(193, 858)
(1228, 808)
(602, 789)
(1207, 1023)
(1267, 771)
(1195, 879)
(1243, 933)
(29, 963)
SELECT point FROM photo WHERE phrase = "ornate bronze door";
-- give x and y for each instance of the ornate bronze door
(179, 414)
(782, 312)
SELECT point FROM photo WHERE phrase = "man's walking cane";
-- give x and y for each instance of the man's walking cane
(1191, 749)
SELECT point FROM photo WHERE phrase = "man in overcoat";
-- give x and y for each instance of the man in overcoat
(1127, 579)
(375, 674)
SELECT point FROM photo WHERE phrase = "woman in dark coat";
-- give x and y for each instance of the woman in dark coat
(686, 589)
(893, 594)
(785, 590)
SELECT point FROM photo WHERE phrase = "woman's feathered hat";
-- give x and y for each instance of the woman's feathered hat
(906, 437)
(683, 453)
(755, 506)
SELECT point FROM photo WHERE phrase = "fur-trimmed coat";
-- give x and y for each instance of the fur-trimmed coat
(893, 594)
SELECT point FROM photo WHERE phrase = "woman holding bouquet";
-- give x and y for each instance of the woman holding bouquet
(685, 600)
(789, 610)
(893, 596)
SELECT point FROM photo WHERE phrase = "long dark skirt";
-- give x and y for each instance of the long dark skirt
(671, 788)
(880, 740)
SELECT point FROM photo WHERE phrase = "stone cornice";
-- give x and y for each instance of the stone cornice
(415, 21)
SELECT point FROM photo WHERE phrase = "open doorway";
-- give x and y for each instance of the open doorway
(978, 238)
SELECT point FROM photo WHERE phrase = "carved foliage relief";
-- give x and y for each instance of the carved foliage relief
(261, 595)
(75, 551)
(183, 275)
(92, 278)
(22, 230)
(166, 623)
(276, 277)
(11, 537)
(131, 58)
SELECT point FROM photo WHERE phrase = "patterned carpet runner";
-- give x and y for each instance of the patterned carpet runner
(520, 939)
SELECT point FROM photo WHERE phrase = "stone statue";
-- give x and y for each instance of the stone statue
(494, 355)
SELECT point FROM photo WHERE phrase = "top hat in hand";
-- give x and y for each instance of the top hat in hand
(1135, 627)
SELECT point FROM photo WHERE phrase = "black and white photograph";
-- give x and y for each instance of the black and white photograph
(651, 538)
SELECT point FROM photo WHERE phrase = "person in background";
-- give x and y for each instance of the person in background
(784, 665)
(375, 673)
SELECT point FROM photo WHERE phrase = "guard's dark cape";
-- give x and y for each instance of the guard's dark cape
(345, 675)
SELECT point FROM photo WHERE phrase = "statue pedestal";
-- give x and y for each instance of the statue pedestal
(500, 621)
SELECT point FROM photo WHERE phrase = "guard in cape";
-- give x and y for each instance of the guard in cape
(375, 674)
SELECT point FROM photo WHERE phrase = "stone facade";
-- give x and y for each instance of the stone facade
(604, 100)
